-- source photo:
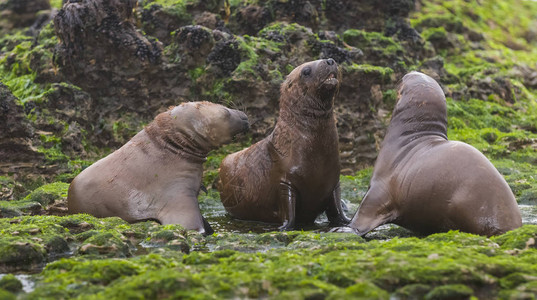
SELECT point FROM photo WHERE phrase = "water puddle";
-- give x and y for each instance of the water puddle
(215, 213)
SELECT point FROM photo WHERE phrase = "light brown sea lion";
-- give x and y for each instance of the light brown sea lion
(424, 182)
(292, 175)
(157, 174)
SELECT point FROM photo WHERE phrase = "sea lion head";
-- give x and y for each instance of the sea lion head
(314, 83)
(211, 125)
(422, 93)
(421, 107)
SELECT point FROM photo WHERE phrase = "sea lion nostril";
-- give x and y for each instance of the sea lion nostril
(330, 61)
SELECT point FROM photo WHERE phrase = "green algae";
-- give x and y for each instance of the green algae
(48, 193)
(373, 73)
(10, 283)
(371, 40)
(326, 264)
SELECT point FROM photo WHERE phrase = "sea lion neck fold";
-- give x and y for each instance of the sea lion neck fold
(168, 137)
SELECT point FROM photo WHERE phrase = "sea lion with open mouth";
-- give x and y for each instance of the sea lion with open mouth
(291, 176)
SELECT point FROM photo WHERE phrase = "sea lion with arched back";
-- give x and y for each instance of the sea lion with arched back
(292, 175)
(157, 174)
(426, 183)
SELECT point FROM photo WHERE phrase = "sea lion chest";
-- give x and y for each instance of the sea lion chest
(312, 167)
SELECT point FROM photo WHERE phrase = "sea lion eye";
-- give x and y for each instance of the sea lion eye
(306, 71)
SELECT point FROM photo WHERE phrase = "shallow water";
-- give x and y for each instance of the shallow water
(28, 283)
(215, 213)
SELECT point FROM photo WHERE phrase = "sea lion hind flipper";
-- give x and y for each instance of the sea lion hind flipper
(376, 209)
(334, 211)
(287, 205)
(208, 229)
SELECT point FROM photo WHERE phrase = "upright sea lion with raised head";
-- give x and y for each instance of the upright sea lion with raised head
(157, 174)
(292, 175)
(426, 183)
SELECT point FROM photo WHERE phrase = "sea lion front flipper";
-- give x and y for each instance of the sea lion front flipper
(287, 205)
(376, 209)
(334, 211)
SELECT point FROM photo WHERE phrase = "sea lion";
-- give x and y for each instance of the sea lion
(157, 174)
(426, 183)
(292, 175)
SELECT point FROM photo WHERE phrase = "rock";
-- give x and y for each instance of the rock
(17, 152)
(20, 256)
(10, 283)
(20, 13)
(106, 244)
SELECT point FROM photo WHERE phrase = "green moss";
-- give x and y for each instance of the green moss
(176, 8)
(453, 291)
(376, 73)
(7, 295)
(56, 3)
(49, 193)
(435, 34)
(10, 283)
(519, 238)
(17, 68)
(363, 39)
(413, 291)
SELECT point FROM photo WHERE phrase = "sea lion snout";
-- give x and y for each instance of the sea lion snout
(328, 73)
(242, 120)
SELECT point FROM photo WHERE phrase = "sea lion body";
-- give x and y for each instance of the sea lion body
(157, 174)
(292, 175)
(428, 184)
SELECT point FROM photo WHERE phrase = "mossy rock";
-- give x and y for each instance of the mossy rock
(108, 244)
(520, 238)
(370, 73)
(413, 291)
(516, 279)
(10, 283)
(6, 295)
(49, 193)
(20, 256)
(362, 290)
(452, 291)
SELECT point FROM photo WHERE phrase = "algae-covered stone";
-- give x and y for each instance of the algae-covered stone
(10, 283)
(20, 256)
(413, 291)
(108, 244)
(49, 193)
(453, 291)
(520, 238)
(6, 295)
(361, 290)
(172, 236)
